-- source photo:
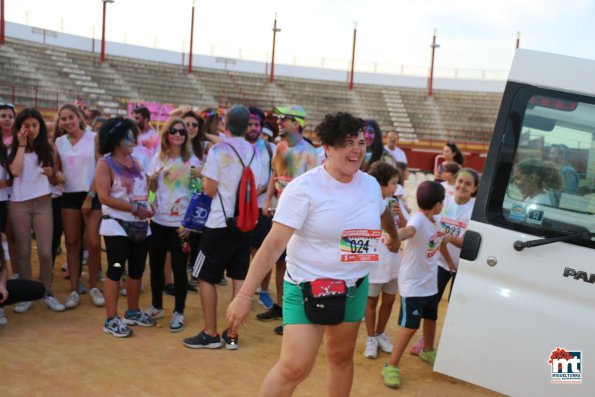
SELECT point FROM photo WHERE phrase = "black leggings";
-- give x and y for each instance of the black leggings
(164, 239)
(119, 250)
(443, 277)
(23, 290)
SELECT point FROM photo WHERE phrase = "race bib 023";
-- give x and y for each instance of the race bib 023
(360, 245)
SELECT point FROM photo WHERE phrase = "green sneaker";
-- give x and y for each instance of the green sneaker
(428, 356)
(391, 376)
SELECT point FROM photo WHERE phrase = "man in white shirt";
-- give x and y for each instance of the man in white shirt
(221, 250)
(146, 136)
(392, 137)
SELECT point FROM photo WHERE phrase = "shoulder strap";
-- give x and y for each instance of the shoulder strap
(267, 145)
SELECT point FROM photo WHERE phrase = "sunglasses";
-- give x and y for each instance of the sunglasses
(179, 131)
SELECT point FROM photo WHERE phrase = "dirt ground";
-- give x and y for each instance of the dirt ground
(66, 354)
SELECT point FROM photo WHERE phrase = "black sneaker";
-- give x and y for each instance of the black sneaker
(203, 341)
(274, 313)
(169, 289)
(279, 330)
(231, 342)
(192, 288)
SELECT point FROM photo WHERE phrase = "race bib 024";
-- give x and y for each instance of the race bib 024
(360, 245)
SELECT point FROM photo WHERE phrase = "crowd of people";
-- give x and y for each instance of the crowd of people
(333, 222)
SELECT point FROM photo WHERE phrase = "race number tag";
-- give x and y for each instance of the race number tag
(453, 226)
(360, 245)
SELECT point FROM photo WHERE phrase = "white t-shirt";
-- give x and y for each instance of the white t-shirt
(143, 156)
(418, 275)
(5, 191)
(387, 268)
(78, 162)
(405, 210)
(337, 226)
(454, 220)
(31, 183)
(398, 154)
(150, 140)
(449, 190)
(262, 164)
(127, 187)
(224, 167)
(173, 189)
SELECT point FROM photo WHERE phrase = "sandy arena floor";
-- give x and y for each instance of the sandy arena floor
(67, 354)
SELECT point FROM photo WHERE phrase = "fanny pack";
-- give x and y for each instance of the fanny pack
(135, 230)
(325, 300)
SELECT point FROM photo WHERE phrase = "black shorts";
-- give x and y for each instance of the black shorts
(75, 201)
(262, 229)
(219, 251)
(413, 309)
(3, 215)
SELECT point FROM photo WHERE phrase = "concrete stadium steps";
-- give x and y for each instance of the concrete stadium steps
(48, 75)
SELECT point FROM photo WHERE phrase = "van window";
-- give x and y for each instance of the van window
(551, 178)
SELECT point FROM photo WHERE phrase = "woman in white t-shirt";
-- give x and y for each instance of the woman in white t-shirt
(7, 116)
(32, 166)
(171, 174)
(329, 218)
(76, 169)
(122, 188)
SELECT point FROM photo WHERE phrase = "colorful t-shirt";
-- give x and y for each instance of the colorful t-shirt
(224, 167)
(151, 140)
(291, 162)
(262, 165)
(418, 275)
(454, 220)
(173, 189)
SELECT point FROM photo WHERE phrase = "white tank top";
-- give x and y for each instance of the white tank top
(31, 183)
(78, 162)
(128, 185)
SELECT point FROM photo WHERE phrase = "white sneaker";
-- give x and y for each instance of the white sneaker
(154, 312)
(73, 300)
(97, 297)
(51, 302)
(3, 319)
(383, 343)
(177, 322)
(371, 347)
(22, 307)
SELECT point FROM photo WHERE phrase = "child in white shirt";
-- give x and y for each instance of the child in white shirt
(418, 279)
(383, 276)
(449, 174)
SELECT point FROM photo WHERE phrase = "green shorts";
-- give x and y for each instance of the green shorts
(293, 304)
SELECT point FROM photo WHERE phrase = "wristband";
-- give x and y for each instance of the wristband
(91, 194)
(244, 297)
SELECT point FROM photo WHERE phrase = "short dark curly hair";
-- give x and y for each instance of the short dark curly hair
(383, 172)
(336, 128)
(112, 132)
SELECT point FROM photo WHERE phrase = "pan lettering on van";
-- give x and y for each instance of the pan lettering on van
(579, 275)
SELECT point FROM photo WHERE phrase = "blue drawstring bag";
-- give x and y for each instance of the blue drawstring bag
(197, 212)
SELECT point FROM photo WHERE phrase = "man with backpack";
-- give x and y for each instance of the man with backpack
(226, 241)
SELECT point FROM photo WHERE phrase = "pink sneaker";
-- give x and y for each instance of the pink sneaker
(417, 347)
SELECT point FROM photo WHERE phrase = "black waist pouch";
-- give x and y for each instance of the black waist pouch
(325, 301)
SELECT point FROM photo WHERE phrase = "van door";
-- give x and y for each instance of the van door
(521, 318)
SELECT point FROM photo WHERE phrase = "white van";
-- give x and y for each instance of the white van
(521, 318)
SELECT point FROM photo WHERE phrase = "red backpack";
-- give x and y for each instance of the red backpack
(246, 209)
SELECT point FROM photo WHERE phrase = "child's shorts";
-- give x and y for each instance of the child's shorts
(413, 309)
(391, 287)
